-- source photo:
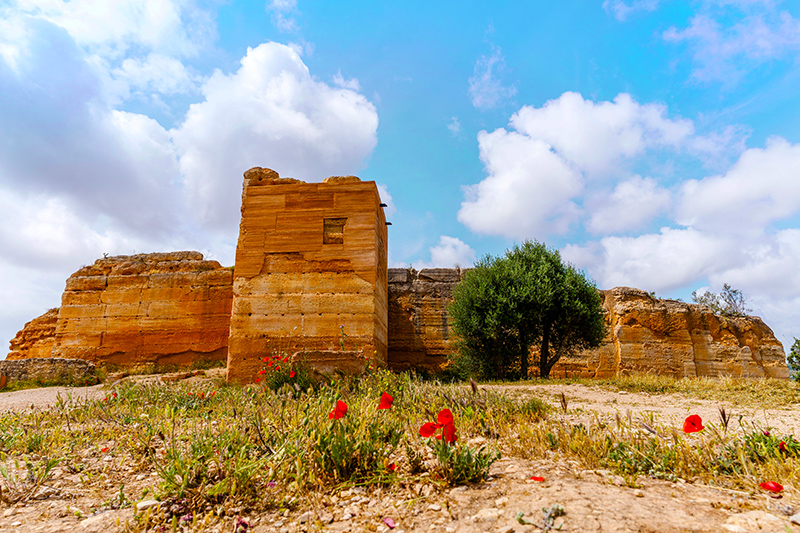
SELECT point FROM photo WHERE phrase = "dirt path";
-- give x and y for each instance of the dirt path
(593, 500)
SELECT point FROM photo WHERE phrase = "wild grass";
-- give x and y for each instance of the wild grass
(253, 448)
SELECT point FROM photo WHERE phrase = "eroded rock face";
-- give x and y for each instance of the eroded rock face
(669, 337)
(645, 334)
(36, 339)
(166, 308)
(418, 328)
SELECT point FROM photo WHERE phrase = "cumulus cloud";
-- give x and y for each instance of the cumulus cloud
(631, 205)
(655, 262)
(269, 113)
(156, 73)
(449, 252)
(539, 168)
(486, 86)
(763, 186)
(386, 198)
(528, 191)
(454, 126)
(596, 136)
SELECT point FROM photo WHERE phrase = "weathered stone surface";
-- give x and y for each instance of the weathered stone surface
(418, 329)
(36, 339)
(48, 369)
(670, 337)
(310, 272)
(148, 308)
(645, 334)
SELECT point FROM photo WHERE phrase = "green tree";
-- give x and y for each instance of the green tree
(528, 298)
(793, 359)
(729, 302)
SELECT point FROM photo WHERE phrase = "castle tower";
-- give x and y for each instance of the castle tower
(310, 275)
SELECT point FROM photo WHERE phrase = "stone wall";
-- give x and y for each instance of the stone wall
(36, 339)
(165, 308)
(418, 329)
(48, 369)
(310, 273)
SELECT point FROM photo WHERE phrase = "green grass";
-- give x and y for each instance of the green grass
(255, 448)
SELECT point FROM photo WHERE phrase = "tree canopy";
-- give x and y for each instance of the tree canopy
(729, 302)
(528, 298)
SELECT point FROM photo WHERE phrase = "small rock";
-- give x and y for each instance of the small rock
(795, 519)
(487, 515)
(286, 513)
(507, 529)
(455, 492)
(347, 516)
(305, 517)
(15, 524)
(499, 502)
(435, 507)
(427, 490)
(511, 469)
(638, 493)
(734, 529)
(146, 504)
(622, 392)
(9, 512)
(326, 518)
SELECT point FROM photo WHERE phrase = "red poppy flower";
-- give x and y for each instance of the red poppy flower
(269, 364)
(693, 424)
(278, 367)
(286, 359)
(339, 411)
(256, 380)
(782, 446)
(766, 433)
(444, 421)
(265, 359)
(104, 450)
(537, 478)
(114, 394)
(262, 372)
(386, 401)
(291, 374)
(772, 486)
(391, 467)
(212, 394)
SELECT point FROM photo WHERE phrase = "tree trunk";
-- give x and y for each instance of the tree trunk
(544, 354)
(525, 349)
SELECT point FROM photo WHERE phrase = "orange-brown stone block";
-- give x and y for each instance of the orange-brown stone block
(147, 308)
(310, 275)
(36, 339)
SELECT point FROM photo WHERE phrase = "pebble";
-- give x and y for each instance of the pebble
(795, 519)
(487, 515)
(347, 516)
(9, 512)
(638, 493)
(499, 502)
(15, 524)
(326, 518)
(305, 517)
(507, 529)
(146, 504)
(435, 507)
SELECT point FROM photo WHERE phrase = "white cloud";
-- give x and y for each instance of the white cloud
(655, 262)
(109, 29)
(486, 86)
(449, 252)
(528, 191)
(763, 186)
(280, 11)
(632, 204)
(537, 172)
(270, 113)
(156, 73)
(596, 136)
(454, 126)
(351, 84)
(386, 198)
(623, 11)
(724, 52)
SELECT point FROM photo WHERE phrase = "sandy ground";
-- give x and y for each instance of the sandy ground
(592, 500)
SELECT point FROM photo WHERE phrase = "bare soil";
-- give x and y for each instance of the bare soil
(592, 500)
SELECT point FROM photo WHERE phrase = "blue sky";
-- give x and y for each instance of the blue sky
(655, 143)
